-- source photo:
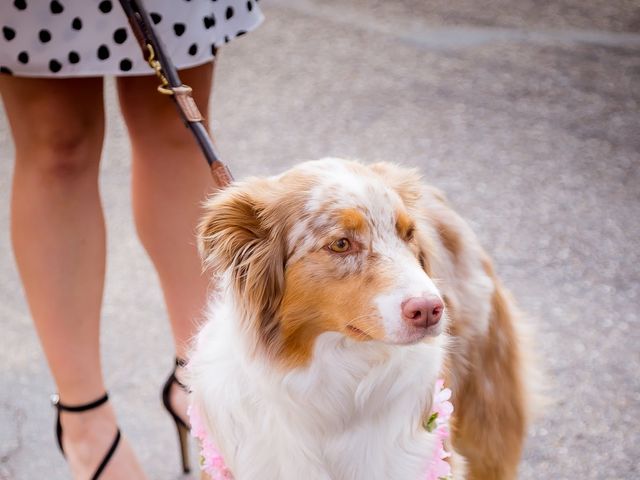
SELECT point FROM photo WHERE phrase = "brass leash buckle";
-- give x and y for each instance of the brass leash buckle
(182, 94)
(155, 64)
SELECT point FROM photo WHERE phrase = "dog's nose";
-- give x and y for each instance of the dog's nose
(422, 312)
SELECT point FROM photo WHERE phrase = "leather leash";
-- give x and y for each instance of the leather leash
(154, 53)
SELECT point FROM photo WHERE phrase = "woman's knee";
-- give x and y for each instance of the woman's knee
(63, 150)
(57, 126)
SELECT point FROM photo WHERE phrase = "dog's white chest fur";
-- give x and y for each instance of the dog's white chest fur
(354, 413)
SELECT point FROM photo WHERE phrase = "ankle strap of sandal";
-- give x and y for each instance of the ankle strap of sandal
(55, 401)
(180, 363)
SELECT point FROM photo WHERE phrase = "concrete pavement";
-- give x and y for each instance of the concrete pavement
(525, 113)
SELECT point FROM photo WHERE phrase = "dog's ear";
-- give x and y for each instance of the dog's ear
(407, 182)
(243, 234)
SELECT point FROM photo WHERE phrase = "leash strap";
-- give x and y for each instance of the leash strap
(154, 53)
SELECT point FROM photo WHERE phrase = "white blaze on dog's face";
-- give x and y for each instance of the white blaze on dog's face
(346, 256)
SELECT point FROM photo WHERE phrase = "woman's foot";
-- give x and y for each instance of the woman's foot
(86, 439)
(179, 396)
(176, 400)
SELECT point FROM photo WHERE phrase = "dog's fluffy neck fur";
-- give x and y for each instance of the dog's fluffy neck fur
(354, 412)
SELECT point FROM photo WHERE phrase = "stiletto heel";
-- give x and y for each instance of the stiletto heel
(181, 427)
(183, 435)
(60, 407)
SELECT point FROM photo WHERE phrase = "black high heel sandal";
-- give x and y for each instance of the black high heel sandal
(181, 426)
(61, 407)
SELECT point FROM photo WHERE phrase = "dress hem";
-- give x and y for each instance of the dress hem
(115, 72)
(118, 73)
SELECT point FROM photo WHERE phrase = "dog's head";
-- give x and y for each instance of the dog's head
(329, 246)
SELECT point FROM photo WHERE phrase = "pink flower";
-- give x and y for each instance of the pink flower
(441, 403)
(197, 426)
(441, 412)
(439, 468)
(211, 459)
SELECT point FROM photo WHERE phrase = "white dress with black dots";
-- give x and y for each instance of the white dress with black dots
(81, 38)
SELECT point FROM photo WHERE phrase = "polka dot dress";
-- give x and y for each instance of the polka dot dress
(74, 38)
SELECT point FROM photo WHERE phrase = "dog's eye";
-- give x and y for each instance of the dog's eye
(410, 233)
(341, 245)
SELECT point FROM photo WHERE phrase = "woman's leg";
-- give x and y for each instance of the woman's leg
(170, 181)
(58, 237)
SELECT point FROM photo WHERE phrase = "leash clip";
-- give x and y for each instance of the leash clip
(181, 94)
(164, 88)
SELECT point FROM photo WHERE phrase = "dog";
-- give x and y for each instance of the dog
(344, 291)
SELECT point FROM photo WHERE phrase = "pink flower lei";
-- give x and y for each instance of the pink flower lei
(211, 460)
(438, 422)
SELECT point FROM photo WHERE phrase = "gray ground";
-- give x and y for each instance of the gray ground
(524, 112)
